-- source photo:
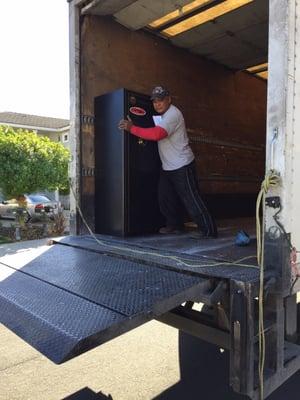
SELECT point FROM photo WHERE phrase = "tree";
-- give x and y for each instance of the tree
(30, 163)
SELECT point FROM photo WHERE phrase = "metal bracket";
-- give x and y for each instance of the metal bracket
(88, 171)
(273, 202)
(87, 119)
(274, 138)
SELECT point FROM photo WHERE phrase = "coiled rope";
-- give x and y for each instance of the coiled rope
(272, 180)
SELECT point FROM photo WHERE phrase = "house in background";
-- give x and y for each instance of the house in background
(56, 129)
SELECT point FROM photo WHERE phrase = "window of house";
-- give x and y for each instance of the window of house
(66, 137)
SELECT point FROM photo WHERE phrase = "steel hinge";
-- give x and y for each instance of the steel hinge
(87, 119)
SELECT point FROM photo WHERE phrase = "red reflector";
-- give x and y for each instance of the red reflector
(39, 206)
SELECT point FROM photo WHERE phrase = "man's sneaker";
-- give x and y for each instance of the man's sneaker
(169, 230)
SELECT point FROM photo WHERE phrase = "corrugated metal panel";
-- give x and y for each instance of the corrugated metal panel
(237, 50)
(105, 7)
(250, 15)
(142, 12)
(237, 39)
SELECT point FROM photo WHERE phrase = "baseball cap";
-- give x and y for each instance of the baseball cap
(159, 92)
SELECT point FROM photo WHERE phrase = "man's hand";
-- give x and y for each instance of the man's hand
(125, 124)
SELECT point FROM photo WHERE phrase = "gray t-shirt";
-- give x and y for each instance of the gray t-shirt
(174, 150)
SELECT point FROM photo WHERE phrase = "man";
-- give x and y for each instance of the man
(178, 181)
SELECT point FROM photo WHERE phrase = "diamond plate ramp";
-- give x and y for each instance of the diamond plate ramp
(159, 254)
(67, 300)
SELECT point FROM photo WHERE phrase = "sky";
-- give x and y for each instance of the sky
(34, 66)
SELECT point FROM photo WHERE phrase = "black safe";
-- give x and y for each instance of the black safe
(127, 167)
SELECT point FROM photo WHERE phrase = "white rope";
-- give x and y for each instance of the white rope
(159, 255)
(271, 180)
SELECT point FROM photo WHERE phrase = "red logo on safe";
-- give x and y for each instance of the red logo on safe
(137, 111)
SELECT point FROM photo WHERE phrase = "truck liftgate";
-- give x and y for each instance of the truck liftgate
(78, 294)
(69, 300)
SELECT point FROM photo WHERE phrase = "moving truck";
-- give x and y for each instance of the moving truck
(232, 67)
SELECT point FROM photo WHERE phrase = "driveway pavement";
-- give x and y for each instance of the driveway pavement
(150, 362)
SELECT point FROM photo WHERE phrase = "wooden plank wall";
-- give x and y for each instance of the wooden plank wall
(225, 112)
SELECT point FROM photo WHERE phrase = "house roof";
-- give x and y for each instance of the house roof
(33, 121)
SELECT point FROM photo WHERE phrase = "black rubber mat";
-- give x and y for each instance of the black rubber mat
(69, 300)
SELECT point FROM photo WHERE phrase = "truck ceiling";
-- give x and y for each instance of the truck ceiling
(233, 33)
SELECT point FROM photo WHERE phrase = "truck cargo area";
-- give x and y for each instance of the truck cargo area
(216, 74)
